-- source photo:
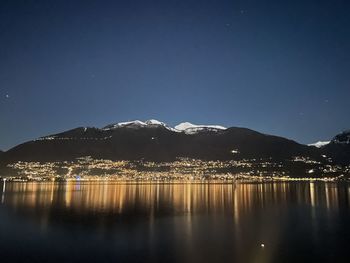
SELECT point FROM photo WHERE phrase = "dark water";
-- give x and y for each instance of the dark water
(119, 222)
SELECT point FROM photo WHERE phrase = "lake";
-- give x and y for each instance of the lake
(174, 222)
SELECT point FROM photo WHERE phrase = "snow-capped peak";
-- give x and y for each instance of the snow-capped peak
(319, 144)
(190, 128)
(185, 127)
(155, 122)
(135, 123)
(342, 138)
(139, 124)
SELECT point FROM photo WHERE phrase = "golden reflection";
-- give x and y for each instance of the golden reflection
(3, 192)
(332, 196)
(312, 194)
(231, 219)
(236, 199)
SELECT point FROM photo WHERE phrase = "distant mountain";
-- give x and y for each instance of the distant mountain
(155, 140)
(342, 138)
(339, 148)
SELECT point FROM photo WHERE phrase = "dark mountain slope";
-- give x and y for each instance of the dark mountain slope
(159, 144)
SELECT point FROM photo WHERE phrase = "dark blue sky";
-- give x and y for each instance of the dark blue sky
(279, 67)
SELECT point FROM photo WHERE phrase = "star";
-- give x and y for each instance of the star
(7, 96)
(242, 11)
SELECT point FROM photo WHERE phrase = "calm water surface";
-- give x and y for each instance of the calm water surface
(143, 222)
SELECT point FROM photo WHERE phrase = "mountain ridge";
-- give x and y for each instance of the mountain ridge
(156, 141)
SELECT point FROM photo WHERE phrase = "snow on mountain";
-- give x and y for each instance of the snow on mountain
(319, 144)
(139, 124)
(342, 138)
(185, 127)
(190, 128)
(155, 122)
(132, 124)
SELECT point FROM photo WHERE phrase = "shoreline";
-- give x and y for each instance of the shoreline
(239, 179)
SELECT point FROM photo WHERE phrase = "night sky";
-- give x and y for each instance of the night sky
(278, 67)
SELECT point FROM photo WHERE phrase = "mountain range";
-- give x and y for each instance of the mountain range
(156, 141)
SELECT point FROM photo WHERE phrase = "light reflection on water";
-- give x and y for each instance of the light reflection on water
(180, 198)
(183, 222)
